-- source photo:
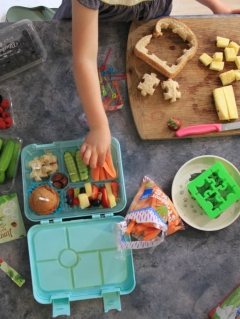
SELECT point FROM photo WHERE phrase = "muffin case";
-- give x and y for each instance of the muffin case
(65, 210)
(76, 259)
(20, 48)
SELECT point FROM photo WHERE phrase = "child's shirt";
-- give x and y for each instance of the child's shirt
(119, 10)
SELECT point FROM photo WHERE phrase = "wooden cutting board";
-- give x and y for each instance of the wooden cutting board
(196, 81)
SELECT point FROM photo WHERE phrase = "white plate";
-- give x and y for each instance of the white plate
(188, 208)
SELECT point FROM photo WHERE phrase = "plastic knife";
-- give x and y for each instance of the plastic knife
(206, 128)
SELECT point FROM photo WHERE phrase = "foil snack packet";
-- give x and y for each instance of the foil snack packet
(151, 217)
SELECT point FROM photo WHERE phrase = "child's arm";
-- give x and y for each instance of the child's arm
(218, 7)
(85, 49)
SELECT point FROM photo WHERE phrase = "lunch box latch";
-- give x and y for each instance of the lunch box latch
(111, 299)
(61, 305)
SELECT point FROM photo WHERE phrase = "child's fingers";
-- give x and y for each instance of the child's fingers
(82, 150)
(93, 161)
(86, 155)
(101, 160)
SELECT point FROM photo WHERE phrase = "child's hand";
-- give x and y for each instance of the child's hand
(235, 11)
(96, 147)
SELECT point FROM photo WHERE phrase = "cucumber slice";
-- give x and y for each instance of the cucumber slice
(71, 167)
(82, 167)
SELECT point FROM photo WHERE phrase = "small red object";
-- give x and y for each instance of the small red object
(75, 201)
(8, 121)
(103, 67)
(3, 125)
(5, 114)
(1, 110)
(114, 187)
(5, 104)
(174, 124)
(94, 192)
(71, 193)
(104, 199)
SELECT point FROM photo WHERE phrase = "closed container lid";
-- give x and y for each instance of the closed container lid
(20, 48)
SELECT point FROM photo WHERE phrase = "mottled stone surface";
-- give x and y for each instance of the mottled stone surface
(187, 275)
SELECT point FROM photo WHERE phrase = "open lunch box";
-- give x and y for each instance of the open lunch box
(73, 252)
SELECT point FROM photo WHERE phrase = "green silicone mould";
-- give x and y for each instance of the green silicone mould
(214, 190)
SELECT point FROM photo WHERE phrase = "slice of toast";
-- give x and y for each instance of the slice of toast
(161, 66)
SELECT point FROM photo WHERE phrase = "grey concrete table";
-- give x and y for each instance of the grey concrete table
(192, 270)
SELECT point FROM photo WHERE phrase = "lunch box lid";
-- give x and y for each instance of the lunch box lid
(77, 259)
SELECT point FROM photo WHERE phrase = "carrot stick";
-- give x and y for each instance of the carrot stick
(102, 174)
(95, 173)
(149, 231)
(140, 227)
(109, 167)
(152, 235)
(130, 226)
(148, 224)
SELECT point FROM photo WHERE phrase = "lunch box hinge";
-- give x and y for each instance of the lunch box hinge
(50, 221)
(102, 215)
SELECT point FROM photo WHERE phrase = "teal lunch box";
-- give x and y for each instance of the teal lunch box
(73, 252)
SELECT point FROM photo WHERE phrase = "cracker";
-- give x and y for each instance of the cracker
(149, 84)
(171, 89)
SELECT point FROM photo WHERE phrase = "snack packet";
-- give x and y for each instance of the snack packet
(151, 216)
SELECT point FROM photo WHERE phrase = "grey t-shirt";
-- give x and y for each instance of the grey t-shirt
(119, 10)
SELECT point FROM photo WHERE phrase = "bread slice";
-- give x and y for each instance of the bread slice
(161, 66)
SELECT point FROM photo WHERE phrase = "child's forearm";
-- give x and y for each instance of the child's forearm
(87, 82)
(216, 6)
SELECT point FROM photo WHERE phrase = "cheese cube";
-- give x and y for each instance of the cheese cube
(230, 54)
(235, 46)
(205, 59)
(237, 62)
(221, 104)
(237, 75)
(216, 66)
(218, 56)
(231, 102)
(227, 77)
(222, 42)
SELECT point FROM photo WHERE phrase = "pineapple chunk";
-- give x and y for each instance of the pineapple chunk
(221, 104)
(227, 77)
(222, 42)
(88, 189)
(237, 62)
(230, 54)
(237, 75)
(218, 56)
(235, 46)
(205, 59)
(111, 197)
(225, 103)
(83, 200)
(112, 200)
(108, 188)
(231, 102)
(216, 66)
